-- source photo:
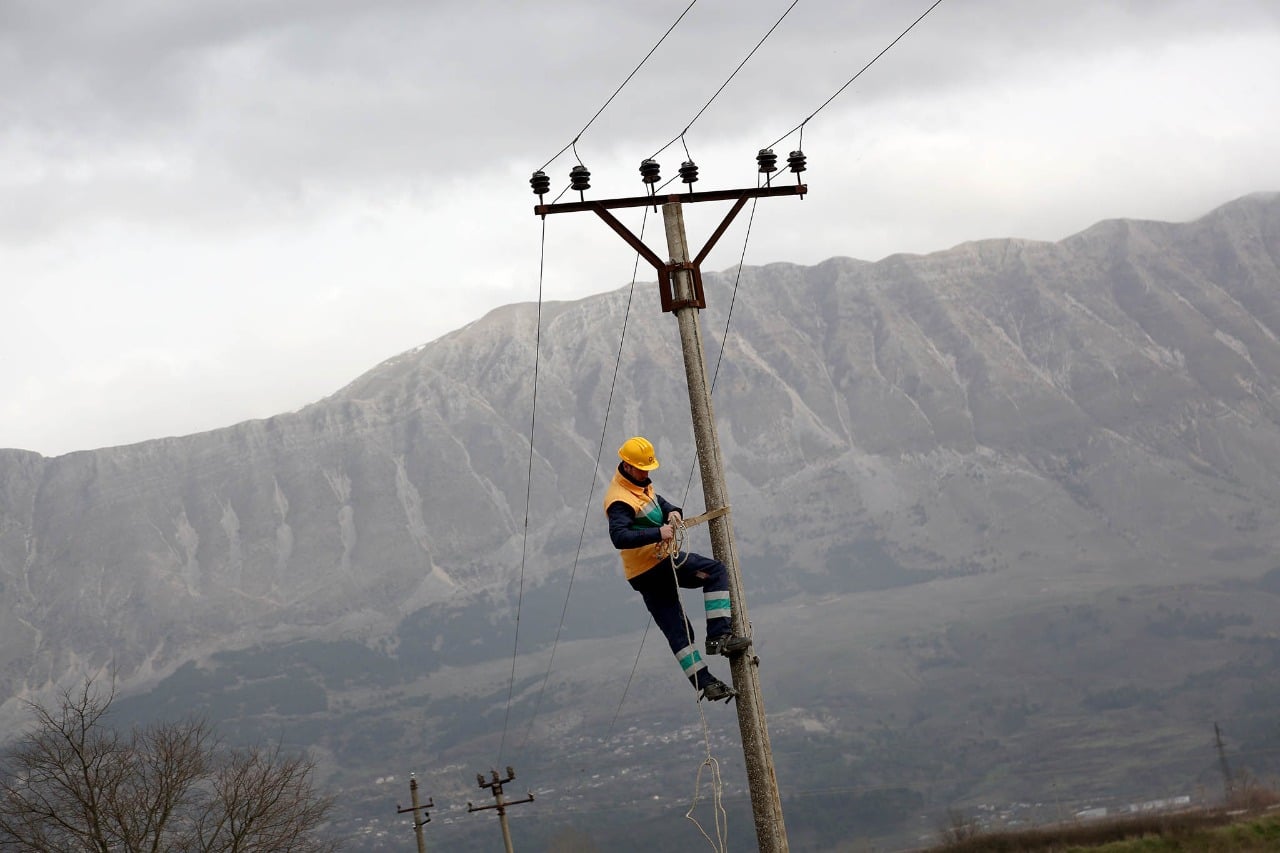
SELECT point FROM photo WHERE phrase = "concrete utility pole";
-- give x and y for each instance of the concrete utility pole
(680, 287)
(415, 808)
(501, 804)
(1228, 788)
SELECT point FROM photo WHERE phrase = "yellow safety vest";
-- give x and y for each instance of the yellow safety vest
(641, 499)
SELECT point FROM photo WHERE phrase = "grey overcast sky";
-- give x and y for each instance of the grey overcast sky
(218, 210)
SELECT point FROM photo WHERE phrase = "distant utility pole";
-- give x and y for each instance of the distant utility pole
(418, 823)
(1228, 786)
(500, 804)
(680, 290)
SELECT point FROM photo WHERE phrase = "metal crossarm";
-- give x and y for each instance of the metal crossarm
(664, 269)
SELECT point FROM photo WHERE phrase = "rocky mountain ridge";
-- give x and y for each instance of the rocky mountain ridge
(1121, 382)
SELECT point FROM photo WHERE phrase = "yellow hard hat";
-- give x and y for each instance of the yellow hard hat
(638, 451)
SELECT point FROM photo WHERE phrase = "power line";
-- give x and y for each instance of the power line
(724, 339)
(849, 82)
(528, 492)
(591, 491)
(633, 73)
(723, 85)
(680, 136)
(617, 712)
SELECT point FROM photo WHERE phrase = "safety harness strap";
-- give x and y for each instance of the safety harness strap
(706, 516)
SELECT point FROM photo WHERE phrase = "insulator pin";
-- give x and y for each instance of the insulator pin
(688, 171)
(767, 160)
(650, 171)
(796, 161)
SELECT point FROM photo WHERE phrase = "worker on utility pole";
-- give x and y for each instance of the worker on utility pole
(642, 526)
(681, 292)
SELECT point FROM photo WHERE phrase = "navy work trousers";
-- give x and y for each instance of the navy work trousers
(658, 588)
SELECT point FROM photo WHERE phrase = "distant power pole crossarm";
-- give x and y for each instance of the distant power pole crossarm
(499, 803)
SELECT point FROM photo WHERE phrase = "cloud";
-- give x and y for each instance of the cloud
(316, 185)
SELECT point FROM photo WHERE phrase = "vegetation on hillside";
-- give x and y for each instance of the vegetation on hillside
(1248, 822)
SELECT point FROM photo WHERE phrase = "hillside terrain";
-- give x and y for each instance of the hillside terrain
(1005, 515)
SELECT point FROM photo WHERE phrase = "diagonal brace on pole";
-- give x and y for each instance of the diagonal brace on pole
(666, 270)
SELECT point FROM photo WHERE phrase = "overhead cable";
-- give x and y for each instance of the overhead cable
(724, 338)
(849, 82)
(528, 493)
(727, 81)
(582, 535)
(633, 73)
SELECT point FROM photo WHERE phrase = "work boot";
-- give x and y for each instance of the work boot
(727, 645)
(715, 690)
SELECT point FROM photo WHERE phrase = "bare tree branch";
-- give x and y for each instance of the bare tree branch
(72, 784)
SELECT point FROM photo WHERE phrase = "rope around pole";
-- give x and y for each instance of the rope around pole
(721, 817)
(719, 814)
(674, 547)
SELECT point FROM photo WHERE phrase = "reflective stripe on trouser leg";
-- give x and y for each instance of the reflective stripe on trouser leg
(719, 612)
(690, 660)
